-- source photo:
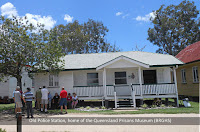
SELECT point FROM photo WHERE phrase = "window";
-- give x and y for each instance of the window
(120, 78)
(92, 79)
(195, 74)
(150, 77)
(53, 80)
(183, 75)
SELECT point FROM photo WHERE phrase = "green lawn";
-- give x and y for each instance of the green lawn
(180, 110)
(193, 109)
(9, 106)
(6, 106)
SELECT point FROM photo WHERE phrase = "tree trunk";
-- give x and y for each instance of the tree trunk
(19, 82)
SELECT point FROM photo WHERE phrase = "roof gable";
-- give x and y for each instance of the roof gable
(121, 58)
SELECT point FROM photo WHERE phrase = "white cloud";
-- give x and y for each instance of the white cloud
(68, 18)
(9, 10)
(146, 18)
(118, 13)
(46, 20)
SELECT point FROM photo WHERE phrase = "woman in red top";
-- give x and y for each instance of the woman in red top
(69, 101)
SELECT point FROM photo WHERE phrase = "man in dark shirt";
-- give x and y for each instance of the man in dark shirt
(55, 100)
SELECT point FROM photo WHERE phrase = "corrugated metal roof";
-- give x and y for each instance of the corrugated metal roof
(190, 53)
(81, 61)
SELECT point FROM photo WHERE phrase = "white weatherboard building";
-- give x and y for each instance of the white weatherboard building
(9, 84)
(121, 75)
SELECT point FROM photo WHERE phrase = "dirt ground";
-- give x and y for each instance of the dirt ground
(109, 128)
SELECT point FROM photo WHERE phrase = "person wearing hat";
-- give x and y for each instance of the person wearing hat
(38, 96)
(17, 96)
(28, 98)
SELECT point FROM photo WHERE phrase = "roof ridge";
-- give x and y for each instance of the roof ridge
(117, 52)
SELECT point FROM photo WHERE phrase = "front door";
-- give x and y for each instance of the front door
(149, 76)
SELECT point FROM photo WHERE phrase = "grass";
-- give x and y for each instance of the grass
(6, 106)
(181, 110)
(10, 106)
(193, 109)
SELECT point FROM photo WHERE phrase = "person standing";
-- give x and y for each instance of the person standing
(55, 101)
(44, 92)
(38, 96)
(49, 99)
(17, 96)
(63, 99)
(28, 98)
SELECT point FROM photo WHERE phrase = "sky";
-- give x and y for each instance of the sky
(127, 20)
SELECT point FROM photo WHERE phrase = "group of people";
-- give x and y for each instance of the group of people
(26, 97)
(43, 99)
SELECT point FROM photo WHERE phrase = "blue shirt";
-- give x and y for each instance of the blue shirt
(49, 96)
(28, 96)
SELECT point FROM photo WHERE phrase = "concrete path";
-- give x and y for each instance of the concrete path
(110, 128)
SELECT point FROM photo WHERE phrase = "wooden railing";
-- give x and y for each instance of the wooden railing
(147, 89)
(88, 91)
(159, 89)
(155, 89)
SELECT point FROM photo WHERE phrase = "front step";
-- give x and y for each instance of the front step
(125, 108)
(125, 103)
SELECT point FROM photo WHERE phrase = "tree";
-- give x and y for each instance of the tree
(175, 27)
(89, 37)
(24, 46)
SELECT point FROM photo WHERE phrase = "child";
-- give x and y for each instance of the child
(74, 100)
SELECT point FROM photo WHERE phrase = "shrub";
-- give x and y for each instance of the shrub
(88, 107)
(81, 107)
(144, 106)
(96, 108)
(153, 106)
(2, 130)
(103, 107)
(162, 105)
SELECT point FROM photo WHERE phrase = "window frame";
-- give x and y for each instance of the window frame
(195, 74)
(55, 80)
(183, 76)
(118, 78)
(94, 79)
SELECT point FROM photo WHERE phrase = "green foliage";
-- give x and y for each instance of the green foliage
(103, 107)
(2, 130)
(144, 106)
(153, 106)
(96, 108)
(81, 107)
(175, 27)
(88, 107)
(89, 37)
(162, 105)
(22, 45)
